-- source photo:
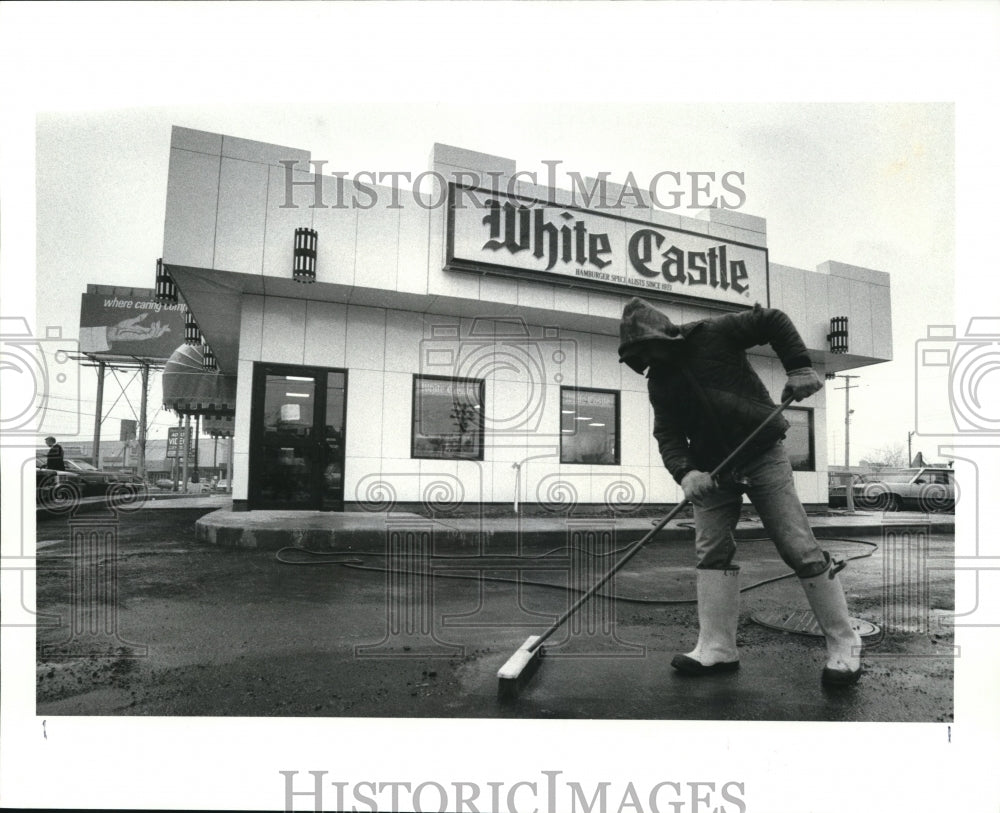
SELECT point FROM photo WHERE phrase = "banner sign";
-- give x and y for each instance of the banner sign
(506, 234)
(130, 326)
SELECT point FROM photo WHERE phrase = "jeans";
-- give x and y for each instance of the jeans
(768, 482)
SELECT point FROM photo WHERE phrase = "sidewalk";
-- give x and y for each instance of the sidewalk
(364, 531)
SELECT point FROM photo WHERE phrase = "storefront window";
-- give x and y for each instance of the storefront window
(589, 424)
(447, 418)
(800, 441)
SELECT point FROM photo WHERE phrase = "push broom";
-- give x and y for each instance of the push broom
(520, 667)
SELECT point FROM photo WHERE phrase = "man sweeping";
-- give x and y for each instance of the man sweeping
(706, 399)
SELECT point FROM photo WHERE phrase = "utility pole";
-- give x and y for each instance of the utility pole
(142, 421)
(176, 459)
(98, 417)
(186, 446)
(849, 491)
(909, 448)
(197, 432)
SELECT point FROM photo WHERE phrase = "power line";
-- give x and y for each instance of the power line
(86, 414)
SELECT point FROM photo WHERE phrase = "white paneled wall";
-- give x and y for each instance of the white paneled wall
(241, 217)
(241, 436)
(366, 347)
(228, 209)
(325, 334)
(811, 298)
(383, 349)
(192, 202)
(284, 329)
(281, 222)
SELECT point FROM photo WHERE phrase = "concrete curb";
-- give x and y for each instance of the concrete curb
(376, 533)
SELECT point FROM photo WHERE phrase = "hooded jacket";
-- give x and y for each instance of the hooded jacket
(707, 398)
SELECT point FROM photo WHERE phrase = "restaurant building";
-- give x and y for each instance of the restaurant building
(458, 345)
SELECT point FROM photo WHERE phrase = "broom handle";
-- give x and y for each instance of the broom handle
(659, 526)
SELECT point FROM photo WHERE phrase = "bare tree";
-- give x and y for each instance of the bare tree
(888, 456)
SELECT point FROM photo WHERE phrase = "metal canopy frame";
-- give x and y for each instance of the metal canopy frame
(120, 363)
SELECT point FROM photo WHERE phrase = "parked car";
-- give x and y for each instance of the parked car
(928, 488)
(94, 481)
(55, 487)
(193, 487)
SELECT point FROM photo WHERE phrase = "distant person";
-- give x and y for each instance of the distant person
(54, 457)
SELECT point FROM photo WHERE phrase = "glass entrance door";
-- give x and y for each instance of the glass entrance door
(297, 438)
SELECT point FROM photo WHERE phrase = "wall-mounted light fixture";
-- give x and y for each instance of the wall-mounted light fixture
(192, 335)
(166, 290)
(207, 357)
(837, 336)
(304, 255)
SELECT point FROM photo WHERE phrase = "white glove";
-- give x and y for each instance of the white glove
(801, 384)
(697, 484)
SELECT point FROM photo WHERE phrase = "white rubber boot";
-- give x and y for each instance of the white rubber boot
(843, 644)
(718, 614)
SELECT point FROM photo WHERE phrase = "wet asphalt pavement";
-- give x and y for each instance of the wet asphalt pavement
(192, 629)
